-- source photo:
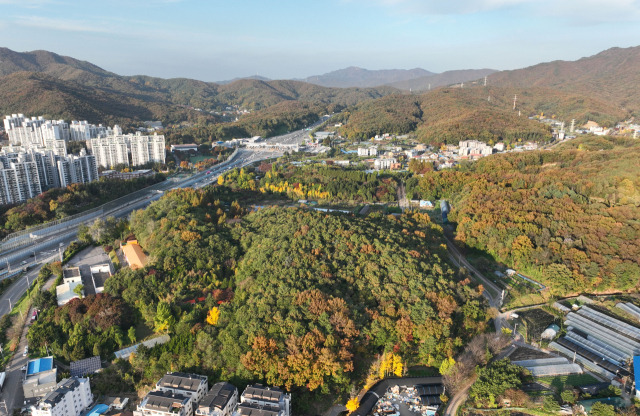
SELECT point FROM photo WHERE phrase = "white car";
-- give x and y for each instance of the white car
(26, 351)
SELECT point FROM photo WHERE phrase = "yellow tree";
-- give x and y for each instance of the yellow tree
(353, 404)
(213, 316)
(220, 180)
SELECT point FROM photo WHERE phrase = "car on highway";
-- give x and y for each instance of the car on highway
(23, 262)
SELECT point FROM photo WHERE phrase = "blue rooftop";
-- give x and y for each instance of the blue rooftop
(40, 365)
(98, 410)
(636, 370)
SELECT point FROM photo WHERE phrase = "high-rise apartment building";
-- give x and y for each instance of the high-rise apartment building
(145, 149)
(110, 151)
(19, 179)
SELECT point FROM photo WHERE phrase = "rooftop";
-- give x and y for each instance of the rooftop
(181, 381)
(248, 409)
(164, 401)
(39, 365)
(65, 292)
(260, 392)
(71, 272)
(134, 254)
(218, 397)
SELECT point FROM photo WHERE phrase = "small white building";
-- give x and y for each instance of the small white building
(70, 398)
(386, 163)
(66, 291)
(368, 151)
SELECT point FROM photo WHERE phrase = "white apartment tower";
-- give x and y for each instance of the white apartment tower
(145, 149)
(19, 179)
(82, 130)
(110, 151)
(70, 398)
(77, 169)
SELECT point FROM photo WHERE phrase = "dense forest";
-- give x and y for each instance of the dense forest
(61, 202)
(568, 217)
(316, 182)
(292, 297)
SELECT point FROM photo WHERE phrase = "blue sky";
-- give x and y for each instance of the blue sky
(216, 40)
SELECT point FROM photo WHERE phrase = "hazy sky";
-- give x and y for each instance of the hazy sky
(216, 40)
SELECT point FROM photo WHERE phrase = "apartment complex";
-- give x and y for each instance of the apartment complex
(114, 149)
(175, 394)
(110, 151)
(70, 398)
(221, 400)
(82, 130)
(164, 403)
(24, 175)
(182, 394)
(19, 179)
(258, 400)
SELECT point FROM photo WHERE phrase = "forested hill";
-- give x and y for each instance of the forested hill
(484, 113)
(301, 299)
(568, 217)
(612, 75)
(143, 96)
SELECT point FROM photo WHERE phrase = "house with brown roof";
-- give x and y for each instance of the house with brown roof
(134, 254)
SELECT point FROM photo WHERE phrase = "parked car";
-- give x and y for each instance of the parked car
(26, 351)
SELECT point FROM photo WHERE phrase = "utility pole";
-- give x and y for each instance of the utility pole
(10, 306)
(515, 98)
(8, 266)
(485, 80)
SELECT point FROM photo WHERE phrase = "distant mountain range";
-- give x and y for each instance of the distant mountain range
(604, 87)
(45, 83)
(363, 78)
(404, 79)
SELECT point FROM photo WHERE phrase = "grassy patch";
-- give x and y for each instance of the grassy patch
(575, 380)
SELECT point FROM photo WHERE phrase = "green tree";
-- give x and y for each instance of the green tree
(494, 379)
(131, 333)
(550, 404)
(568, 396)
(78, 290)
(164, 319)
(602, 409)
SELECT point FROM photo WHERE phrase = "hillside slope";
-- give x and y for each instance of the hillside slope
(612, 75)
(443, 79)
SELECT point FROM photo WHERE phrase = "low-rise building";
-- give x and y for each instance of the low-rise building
(192, 385)
(67, 291)
(258, 400)
(386, 163)
(134, 255)
(221, 400)
(99, 274)
(70, 398)
(368, 151)
(40, 378)
(164, 403)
